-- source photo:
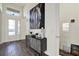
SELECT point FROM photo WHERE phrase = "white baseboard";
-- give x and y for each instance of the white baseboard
(1, 42)
(50, 54)
(47, 53)
(10, 41)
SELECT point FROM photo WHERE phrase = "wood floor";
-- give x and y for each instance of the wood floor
(63, 53)
(17, 48)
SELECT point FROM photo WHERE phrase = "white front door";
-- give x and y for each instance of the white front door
(13, 29)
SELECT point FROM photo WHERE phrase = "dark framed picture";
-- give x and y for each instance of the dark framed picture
(37, 16)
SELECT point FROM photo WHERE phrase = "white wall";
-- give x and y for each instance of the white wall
(0, 25)
(52, 28)
(68, 12)
(51, 25)
(0, 6)
(0, 20)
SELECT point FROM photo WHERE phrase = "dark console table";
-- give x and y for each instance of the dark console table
(75, 49)
(37, 44)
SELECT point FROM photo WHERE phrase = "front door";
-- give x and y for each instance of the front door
(13, 29)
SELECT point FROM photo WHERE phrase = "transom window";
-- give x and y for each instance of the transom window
(12, 12)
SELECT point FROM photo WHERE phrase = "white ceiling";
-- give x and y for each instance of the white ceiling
(17, 4)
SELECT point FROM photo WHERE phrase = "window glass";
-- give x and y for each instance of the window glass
(11, 24)
(12, 12)
(65, 26)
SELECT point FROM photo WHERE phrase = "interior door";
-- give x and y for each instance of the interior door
(13, 29)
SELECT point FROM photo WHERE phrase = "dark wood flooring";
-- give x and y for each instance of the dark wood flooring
(63, 53)
(17, 48)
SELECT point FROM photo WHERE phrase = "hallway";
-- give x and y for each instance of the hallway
(16, 48)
